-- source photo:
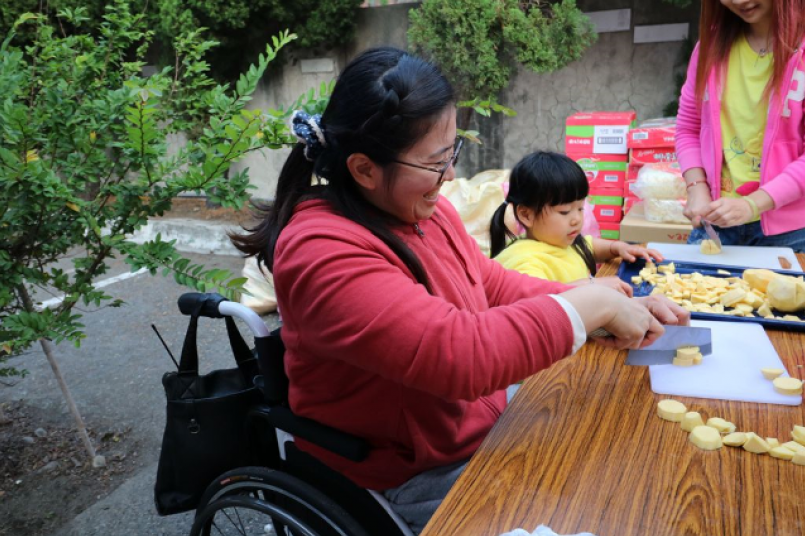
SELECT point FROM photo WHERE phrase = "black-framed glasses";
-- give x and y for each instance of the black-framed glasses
(441, 171)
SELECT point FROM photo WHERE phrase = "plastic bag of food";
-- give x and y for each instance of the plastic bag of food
(665, 210)
(662, 180)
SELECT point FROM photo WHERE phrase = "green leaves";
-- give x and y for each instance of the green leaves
(85, 161)
(486, 39)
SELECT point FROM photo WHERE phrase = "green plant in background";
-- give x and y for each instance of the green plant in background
(85, 162)
(242, 27)
(480, 43)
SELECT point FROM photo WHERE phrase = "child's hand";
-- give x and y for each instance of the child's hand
(630, 253)
(615, 283)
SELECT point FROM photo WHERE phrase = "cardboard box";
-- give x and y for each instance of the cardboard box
(653, 133)
(598, 132)
(603, 170)
(629, 202)
(610, 230)
(653, 155)
(606, 207)
(635, 228)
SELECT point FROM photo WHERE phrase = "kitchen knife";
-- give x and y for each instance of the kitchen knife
(663, 350)
(711, 233)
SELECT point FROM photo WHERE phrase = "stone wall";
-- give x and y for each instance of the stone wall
(614, 74)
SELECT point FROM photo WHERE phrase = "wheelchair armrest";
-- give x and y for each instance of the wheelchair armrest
(341, 443)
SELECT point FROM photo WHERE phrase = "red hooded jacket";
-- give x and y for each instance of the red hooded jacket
(421, 377)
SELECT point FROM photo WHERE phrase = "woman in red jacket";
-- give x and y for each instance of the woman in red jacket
(397, 328)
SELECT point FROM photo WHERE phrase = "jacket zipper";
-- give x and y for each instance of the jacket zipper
(418, 231)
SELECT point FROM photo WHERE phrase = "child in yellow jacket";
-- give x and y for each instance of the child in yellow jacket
(547, 191)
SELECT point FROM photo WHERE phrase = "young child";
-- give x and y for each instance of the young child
(547, 192)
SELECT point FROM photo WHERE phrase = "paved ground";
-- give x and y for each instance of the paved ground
(115, 377)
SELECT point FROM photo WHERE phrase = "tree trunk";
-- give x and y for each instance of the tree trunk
(488, 155)
(48, 348)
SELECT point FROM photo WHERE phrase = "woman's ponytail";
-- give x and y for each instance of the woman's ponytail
(293, 184)
(498, 232)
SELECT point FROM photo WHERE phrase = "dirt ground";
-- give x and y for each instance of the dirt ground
(46, 477)
(198, 208)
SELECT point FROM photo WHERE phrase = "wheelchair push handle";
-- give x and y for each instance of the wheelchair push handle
(216, 306)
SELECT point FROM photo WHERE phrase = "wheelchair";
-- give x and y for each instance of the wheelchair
(288, 492)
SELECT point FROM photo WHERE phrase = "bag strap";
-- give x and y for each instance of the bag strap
(188, 365)
(243, 354)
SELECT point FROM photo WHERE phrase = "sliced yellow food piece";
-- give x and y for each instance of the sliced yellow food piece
(697, 360)
(683, 362)
(756, 444)
(788, 386)
(771, 373)
(687, 352)
(636, 280)
(799, 458)
(671, 410)
(735, 439)
(722, 272)
(744, 308)
(773, 442)
(669, 268)
(731, 297)
(706, 438)
(791, 318)
(709, 247)
(691, 420)
(793, 446)
(798, 434)
(782, 453)
(721, 425)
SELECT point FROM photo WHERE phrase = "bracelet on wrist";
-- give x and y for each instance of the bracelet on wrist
(753, 206)
(690, 185)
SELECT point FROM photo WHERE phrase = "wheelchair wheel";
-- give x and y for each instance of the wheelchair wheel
(259, 501)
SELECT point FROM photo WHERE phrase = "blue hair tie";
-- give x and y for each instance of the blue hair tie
(308, 130)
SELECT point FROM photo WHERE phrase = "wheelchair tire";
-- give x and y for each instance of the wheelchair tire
(292, 506)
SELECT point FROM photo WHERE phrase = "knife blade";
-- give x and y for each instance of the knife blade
(708, 228)
(663, 350)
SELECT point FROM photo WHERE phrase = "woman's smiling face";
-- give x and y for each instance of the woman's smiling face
(414, 192)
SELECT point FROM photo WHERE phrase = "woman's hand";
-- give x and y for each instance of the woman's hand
(614, 283)
(728, 212)
(698, 204)
(631, 322)
(664, 312)
(630, 253)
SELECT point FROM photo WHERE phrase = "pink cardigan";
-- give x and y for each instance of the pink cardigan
(782, 175)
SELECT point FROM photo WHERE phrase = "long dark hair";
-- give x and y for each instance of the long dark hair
(540, 180)
(385, 100)
(719, 28)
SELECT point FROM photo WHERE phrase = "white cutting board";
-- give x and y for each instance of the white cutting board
(744, 256)
(731, 372)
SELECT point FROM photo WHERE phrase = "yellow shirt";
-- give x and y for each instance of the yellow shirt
(545, 261)
(743, 116)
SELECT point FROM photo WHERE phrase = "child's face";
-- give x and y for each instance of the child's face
(559, 225)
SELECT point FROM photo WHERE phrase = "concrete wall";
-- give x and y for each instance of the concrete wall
(614, 74)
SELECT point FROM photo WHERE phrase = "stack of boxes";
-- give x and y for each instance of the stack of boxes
(652, 142)
(597, 141)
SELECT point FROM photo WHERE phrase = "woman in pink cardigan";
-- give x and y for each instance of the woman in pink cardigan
(740, 129)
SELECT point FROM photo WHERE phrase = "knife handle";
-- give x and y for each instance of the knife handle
(785, 264)
(600, 332)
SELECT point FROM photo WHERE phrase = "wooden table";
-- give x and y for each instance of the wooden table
(581, 448)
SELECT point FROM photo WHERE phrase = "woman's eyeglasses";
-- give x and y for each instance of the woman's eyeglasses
(441, 171)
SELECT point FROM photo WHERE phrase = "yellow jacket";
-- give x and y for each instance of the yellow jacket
(545, 261)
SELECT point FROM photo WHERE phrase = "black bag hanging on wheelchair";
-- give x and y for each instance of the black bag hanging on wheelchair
(205, 430)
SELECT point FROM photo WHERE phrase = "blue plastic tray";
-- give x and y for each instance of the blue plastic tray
(627, 270)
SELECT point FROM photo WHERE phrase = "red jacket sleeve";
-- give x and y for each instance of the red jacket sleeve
(352, 301)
